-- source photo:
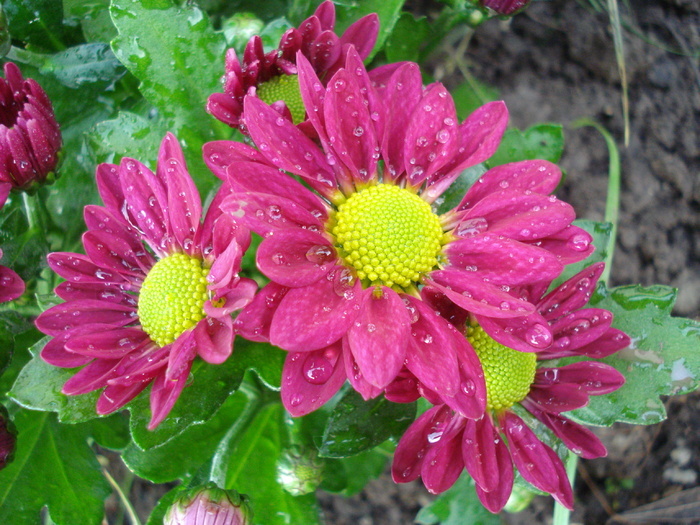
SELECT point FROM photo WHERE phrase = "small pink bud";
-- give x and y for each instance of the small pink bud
(505, 7)
(208, 504)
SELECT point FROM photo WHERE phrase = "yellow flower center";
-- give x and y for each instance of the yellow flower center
(286, 89)
(172, 297)
(508, 373)
(388, 234)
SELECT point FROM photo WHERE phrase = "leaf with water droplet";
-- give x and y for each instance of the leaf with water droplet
(541, 141)
(356, 425)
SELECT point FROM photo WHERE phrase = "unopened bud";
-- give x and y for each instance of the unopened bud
(505, 7)
(209, 504)
(300, 471)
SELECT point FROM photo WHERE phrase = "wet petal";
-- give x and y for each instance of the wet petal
(254, 321)
(66, 316)
(593, 377)
(313, 317)
(526, 334)
(11, 284)
(78, 268)
(115, 397)
(379, 336)
(165, 393)
(557, 398)
(352, 370)
(572, 294)
(482, 454)
(182, 352)
(443, 462)
(570, 245)
(214, 339)
(309, 379)
(295, 257)
(108, 344)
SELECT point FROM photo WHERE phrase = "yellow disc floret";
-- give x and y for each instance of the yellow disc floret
(286, 89)
(388, 234)
(172, 297)
(508, 373)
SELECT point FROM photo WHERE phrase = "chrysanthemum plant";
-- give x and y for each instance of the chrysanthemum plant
(275, 283)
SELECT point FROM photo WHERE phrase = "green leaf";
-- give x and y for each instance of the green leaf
(356, 425)
(128, 135)
(662, 360)
(211, 385)
(23, 249)
(407, 39)
(458, 189)
(348, 476)
(471, 95)
(457, 506)
(541, 141)
(86, 64)
(178, 457)
(37, 22)
(53, 466)
(252, 470)
(110, 432)
(38, 387)
(266, 360)
(177, 73)
(388, 11)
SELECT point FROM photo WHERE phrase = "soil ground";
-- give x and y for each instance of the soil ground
(555, 62)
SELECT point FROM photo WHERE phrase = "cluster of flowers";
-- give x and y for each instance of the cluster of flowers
(367, 282)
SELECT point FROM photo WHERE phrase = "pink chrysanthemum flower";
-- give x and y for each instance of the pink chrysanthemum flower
(273, 77)
(441, 442)
(29, 135)
(11, 284)
(155, 289)
(347, 258)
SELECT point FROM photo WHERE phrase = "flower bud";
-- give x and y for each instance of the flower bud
(505, 7)
(300, 471)
(208, 504)
(8, 438)
(29, 135)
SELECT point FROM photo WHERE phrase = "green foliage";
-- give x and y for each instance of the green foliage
(457, 506)
(541, 141)
(388, 11)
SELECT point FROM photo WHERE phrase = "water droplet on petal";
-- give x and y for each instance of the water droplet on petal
(317, 370)
(538, 336)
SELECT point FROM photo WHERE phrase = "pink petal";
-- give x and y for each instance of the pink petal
(495, 500)
(571, 295)
(432, 136)
(352, 370)
(502, 261)
(108, 344)
(325, 50)
(607, 344)
(570, 245)
(362, 34)
(165, 393)
(254, 321)
(443, 462)
(11, 284)
(309, 379)
(403, 389)
(483, 455)
(593, 377)
(214, 339)
(77, 268)
(530, 454)
(469, 291)
(521, 216)
(92, 377)
(112, 253)
(295, 257)
(264, 213)
(141, 365)
(69, 291)
(313, 94)
(431, 355)
(582, 327)
(410, 452)
(184, 204)
(115, 397)
(287, 147)
(182, 352)
(55, 353)
(379, 337)
(577, 438)
(538, 176)
(470, 398)
(402, 93)
(65, 316)
(526, 334)
(563, 494)
(234, 298)
(224, 271)
(313, 317)
(246, 177)
(557, 398)
(220, 154)
(350, 129)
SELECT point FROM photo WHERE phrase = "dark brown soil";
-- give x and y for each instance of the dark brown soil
(556, 63)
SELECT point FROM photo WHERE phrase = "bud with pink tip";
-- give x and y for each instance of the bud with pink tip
(209, 505)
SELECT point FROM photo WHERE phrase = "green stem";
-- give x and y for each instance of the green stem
(612, 202)
(33, 211)
(133, 517)
(562, 515)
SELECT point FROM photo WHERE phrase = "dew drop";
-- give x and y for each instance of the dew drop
(538, 336)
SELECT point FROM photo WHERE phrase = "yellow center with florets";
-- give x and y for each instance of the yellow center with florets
(389, 235)
(172, 297)
(286, 89)
(508, 373)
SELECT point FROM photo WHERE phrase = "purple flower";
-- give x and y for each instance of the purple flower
(348, 255)
(442, 442)
(29, 134)
(505, 7)
(11, 284)
(273, 75)
(209, 505)
(155, 289)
